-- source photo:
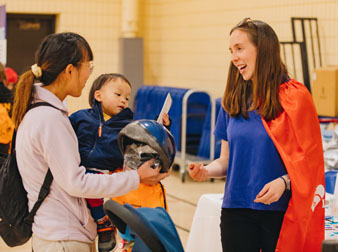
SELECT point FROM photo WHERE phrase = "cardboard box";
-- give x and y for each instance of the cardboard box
(325, 90)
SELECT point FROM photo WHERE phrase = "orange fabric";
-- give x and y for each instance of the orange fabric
(6, 126)
(145, 196)
(297, 137)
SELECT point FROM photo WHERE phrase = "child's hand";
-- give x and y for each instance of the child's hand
(165, 119)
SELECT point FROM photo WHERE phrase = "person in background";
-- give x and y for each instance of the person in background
(6, 124)
(11, 78)
(6, 94)
(271, 152)
(97, 130)
(45, 139)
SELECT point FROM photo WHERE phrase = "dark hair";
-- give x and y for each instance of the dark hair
(54, 54)
(261, 94)
(100, 81)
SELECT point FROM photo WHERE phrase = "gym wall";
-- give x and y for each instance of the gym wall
(185, 41)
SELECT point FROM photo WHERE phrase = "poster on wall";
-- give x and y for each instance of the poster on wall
(3, 40)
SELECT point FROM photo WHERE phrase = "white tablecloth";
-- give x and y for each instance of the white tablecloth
(205, 231)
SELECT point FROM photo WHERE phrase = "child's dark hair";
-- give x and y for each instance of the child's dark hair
(100, 81)
(54, 54)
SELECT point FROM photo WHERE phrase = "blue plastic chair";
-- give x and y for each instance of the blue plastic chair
(330, 181)
(204, 147)
(149, 101)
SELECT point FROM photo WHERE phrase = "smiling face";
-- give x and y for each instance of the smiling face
(114, 96)
(243, 53)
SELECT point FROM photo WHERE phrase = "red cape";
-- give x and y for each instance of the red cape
(297, 137)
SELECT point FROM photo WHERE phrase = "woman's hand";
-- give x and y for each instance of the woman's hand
(150, 176)
(271, 192)
(198, 172)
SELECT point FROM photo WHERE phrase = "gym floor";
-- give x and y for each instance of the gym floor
(182, 199)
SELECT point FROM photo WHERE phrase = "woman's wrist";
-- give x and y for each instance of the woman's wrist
(286, 181)
(217, 168)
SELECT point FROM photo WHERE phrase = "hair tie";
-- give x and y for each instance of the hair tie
(36, 70)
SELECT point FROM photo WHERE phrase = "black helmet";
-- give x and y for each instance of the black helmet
(152, 133)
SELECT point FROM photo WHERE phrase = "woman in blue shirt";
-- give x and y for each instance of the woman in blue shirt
(257, 186)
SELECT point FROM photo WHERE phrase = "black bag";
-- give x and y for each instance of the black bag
(15, 219)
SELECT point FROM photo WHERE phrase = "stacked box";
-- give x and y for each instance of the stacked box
(325, 90)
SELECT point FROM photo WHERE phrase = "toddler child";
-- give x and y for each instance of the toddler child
(97, 130)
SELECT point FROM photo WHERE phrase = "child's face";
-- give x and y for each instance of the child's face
(114, 96)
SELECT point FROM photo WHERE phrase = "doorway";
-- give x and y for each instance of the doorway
(24, 34)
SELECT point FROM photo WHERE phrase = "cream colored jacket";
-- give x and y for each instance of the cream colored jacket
(45, 138)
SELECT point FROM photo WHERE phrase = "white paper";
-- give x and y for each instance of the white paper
(165, 108)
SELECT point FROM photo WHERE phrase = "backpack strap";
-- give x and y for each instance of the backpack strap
(38, 104)
(13, 141)
(44, 191)
(34, 105)
(45, 188)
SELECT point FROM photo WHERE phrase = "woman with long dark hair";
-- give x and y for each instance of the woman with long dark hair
(45, 139)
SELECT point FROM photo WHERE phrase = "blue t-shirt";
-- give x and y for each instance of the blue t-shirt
(253, 161)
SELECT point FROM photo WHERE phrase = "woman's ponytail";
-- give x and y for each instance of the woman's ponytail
(55, 52)
(23, 97)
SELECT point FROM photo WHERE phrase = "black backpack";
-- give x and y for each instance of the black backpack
(15, 219)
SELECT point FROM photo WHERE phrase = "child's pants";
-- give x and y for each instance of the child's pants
(96, 208)
(96, 205)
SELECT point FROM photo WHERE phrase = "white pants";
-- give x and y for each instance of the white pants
(41, 245)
